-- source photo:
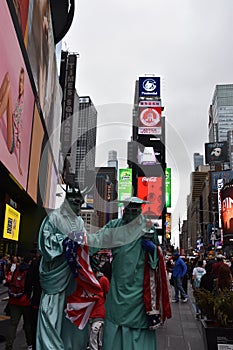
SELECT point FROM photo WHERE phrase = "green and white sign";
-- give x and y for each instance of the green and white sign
(124, 184)
(168, 187)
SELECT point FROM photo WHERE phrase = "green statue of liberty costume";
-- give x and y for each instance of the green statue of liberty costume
(54, 330)
(126, 323)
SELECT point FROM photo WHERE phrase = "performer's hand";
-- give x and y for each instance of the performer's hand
(77, 236)
(148, 245)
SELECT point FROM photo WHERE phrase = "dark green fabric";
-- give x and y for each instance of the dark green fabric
(54, 331)
(125, 338)
(126, 320)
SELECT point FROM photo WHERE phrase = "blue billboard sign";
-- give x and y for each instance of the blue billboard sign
(226, 175)
(149, 87)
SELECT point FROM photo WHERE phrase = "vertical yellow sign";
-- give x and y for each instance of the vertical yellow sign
(11, 223)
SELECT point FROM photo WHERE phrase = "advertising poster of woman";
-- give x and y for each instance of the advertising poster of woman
(16, 102)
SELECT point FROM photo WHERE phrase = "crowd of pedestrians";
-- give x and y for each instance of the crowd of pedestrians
(23, 298)
(213, 273)
(20, 274)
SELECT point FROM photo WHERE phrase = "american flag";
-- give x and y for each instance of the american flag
(81, 302)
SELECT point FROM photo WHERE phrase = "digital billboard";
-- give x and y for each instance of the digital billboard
(35, 154)
(149, 155)
(124, 184)
(227, 208)
(226, 176)
(11, 223)
(168, 187)
(149, 87)
(16, 102)
(149, 122)
(42, 57)
(216, 152)
(168, 225)
(150, 189)
(21, 10)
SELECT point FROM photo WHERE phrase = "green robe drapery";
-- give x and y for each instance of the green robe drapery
(54, 331)
(126, 325)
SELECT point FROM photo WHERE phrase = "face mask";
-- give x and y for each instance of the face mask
(75, 205)
(131, 213)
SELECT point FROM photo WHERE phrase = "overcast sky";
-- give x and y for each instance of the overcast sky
(188, 43)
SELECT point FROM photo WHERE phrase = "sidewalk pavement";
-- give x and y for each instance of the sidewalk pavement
(181, 332)
(20, 342)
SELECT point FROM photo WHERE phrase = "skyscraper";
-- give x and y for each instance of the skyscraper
(198, 160)
(221, 113)
(146, 150)
(86, 143)
(112, 159)
(221, 116)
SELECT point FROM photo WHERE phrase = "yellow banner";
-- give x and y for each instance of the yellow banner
(11, 224)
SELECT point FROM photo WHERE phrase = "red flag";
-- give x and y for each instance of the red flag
(82, 301)
(156, 295)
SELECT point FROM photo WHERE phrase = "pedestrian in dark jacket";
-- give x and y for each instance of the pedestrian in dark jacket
(208, 279)
(19, 304)
(33, 289)
(178, 272)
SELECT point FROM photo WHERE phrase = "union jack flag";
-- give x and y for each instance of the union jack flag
(81, 302)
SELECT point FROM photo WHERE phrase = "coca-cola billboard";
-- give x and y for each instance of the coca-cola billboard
(150, 189)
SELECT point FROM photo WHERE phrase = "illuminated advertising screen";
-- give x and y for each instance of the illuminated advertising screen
(42, 57)
(168, 187)
(149, 103)
(35, 154)
(16, 101)
(149, 155)
(216, 152)
(226, 176)
(149, 87)
(11, 223)
(227, 208)
(168, 225)
(21, 9)
(150, 189)
(124, 184)
(149, 122)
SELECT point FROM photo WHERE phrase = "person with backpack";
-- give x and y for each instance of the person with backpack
(19, 304)
(198, 272)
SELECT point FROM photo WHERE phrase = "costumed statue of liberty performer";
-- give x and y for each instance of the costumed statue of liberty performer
(54, 329)
(133, 310)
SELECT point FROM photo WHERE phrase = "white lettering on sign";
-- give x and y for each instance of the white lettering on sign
(227, 203)
(149, 179)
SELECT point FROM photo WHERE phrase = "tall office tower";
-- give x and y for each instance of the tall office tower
(106, 194)
(91, 220)
(230, 145)
(221, 119)
(86, 143)
(221, 113)
(198, 159)
(112, 159)
(146, 150)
